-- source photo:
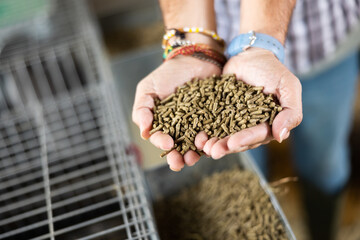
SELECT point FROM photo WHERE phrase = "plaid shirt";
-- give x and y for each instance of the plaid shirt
(316, 29)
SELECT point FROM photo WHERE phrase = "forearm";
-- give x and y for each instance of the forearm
(187, 13)
(271, 17)
(190, 13)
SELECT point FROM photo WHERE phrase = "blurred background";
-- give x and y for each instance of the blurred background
(75, 47)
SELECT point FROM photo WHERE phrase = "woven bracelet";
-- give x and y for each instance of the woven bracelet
(195, 49)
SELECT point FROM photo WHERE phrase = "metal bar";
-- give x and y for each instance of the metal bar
(88, 66)
(115, 174)
(27, 201)
(74, 227)
(79, 172)
(84, 196)
(55, 72)
(91, 222)
(88, 182)
(149, 233)
(33, 187)
(70, 70)
(45, 167)
(54, 157)
(85, 209)
(122, 156)
(38, 186)
(22, 216)
(60, 203)
(22, 95)
(55, 193)
(24, 229)
(115, 229)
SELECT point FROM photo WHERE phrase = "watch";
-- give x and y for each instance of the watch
(251, 39)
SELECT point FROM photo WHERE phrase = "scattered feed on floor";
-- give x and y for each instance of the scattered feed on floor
(228, 205)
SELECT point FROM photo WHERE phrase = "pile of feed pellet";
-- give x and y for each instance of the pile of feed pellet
(218, 105)
(225, 206)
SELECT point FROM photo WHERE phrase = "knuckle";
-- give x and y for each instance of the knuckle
(133, 117)
(139, 86)
(298, 119)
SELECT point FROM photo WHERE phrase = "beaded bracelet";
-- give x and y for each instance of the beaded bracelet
(177, 43)
(193, 50)
(181, 33)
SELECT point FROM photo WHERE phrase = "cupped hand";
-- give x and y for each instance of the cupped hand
(162, 82)
(260, 67)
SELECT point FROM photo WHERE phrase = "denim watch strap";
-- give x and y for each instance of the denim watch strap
(260, 40)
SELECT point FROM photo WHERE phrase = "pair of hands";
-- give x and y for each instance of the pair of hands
(257, 67)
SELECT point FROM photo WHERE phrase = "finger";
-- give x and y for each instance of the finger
(143, 118)
(286, 120)
(209, 144)
(289, 95)
(142, 115)
(220, 148)
(250, 136)
(162, 141)
(255, 146)
(200, 140)
(191, 157)
(175, 161)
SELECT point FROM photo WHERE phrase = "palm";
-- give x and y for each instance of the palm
(166, 78)
(261, 68)
(161, 83)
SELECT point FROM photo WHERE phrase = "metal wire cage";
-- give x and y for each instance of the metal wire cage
(65, 168)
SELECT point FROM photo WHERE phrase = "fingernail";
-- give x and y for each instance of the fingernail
(218, 157)
(141, 132)
(241, 149)
(175, 170)
(192, 164)
(284, 134)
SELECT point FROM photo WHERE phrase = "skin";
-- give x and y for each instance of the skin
(258, 67)
(161, 83)
(261, 68)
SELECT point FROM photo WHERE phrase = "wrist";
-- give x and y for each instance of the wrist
(256, 51)
(194, 63)
(270, 17)
(248, 41)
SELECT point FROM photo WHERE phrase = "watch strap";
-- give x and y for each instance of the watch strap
(244, 41)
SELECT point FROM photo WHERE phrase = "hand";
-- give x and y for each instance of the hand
(260, 67)
(162, 82)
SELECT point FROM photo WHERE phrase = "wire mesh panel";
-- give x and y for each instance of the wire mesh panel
(65, 168)
(65, 173)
